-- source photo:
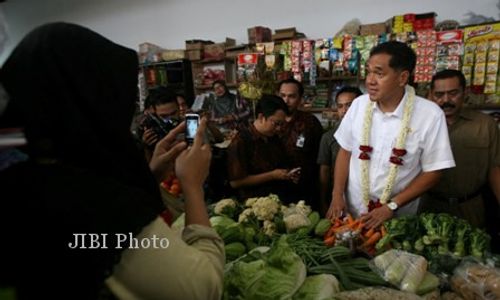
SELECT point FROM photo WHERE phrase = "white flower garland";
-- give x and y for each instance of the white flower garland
(400, 144)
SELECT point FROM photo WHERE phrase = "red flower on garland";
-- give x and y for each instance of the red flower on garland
(399, 152)
(365, 150)
(374, 204)
(396, 158)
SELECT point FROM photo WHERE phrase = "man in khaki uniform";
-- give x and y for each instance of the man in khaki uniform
(475, 142)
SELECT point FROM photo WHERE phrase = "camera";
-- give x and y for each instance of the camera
(161, 127)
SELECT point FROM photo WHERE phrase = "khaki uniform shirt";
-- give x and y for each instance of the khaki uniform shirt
(475, 143)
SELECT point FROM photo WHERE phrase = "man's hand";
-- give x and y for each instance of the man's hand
(377, 217)
(192, 164)
(337, 208)
(166, 151)
(149, 137)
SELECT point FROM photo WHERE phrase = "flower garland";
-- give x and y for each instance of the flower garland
(397, 152)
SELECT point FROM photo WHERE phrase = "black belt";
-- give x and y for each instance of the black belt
(456, 200)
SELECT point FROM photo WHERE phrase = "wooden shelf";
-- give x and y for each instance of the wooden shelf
(209, 86)
(161, 63)
(213, 61)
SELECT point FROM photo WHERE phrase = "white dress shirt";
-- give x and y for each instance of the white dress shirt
(427, 145)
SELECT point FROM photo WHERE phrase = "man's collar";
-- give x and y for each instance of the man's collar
(466, 113)
(398, 112)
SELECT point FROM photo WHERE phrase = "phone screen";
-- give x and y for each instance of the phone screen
(192, 122)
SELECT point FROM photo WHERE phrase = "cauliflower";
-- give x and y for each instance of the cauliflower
(265, 208)
(269, 228)
(302, 208)
(248, 212)
(251, 201)
(295, 221)
(299, 208)
(225, 207)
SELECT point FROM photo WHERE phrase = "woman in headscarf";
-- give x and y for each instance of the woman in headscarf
(73, 92)
(226, 110)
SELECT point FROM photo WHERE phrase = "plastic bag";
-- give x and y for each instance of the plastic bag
(473, 280)
(402, 269)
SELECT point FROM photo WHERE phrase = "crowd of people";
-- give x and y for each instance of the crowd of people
(88, 179)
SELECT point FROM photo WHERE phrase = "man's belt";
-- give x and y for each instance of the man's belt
(456, 200)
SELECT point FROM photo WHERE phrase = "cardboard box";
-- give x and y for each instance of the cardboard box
(373, 29)
(194, 54)
(173, 54)
(197, 44)
(259, 34)
(284, 34)
(217, 51)
(232, 52)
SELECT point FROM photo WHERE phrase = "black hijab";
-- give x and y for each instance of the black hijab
(74, 91)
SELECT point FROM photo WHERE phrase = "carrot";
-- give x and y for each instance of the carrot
(372, 240)
(369, 233)
(329, 241)
(342, 228)
(360, 225)
(337, 222)
(350, 220)
(383, 230)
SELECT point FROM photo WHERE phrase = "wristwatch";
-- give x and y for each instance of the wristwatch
(392, 205)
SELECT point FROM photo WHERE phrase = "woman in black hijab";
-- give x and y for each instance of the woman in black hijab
(73, 92)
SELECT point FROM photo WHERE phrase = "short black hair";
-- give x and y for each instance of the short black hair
(349, 89)
(269, 104)
(161, 95)
(299, 85)
(403, 58)
(445, 74)
(221, 82)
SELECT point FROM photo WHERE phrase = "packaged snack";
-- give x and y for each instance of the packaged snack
(492, 68)
(479, 71)
(494, 45)
(490, 87)
(482, 46)
(470, 48)
(469, 59)
(480, 57)
(473, 280)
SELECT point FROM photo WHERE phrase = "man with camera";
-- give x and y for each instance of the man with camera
(161, 114)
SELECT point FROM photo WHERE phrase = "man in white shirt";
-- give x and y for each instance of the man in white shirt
(393, 143)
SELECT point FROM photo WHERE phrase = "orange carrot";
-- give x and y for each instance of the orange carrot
(369, 233)
(361, 225)
(330, 241)
(383, 230)
(372, 240)
(349, 218)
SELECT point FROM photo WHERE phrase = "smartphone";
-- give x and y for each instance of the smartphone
(294, 171)
(192, 122)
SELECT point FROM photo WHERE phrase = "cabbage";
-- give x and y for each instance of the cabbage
(318, 287)
(277, 275)
(221, 221)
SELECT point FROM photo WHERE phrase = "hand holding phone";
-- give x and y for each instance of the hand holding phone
(294, 175)
(192, 123)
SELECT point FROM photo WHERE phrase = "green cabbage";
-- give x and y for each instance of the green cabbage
(221, 221)
(278, 275)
